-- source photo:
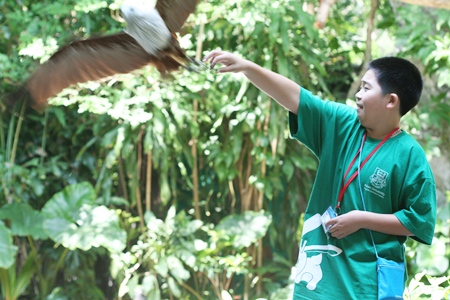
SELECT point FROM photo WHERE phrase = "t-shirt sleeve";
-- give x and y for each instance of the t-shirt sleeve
(419, 215)
(306, 125)
(318, 121)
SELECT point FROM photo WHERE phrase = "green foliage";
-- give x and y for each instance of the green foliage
(241, 231)
(25, 221)
(431, 264)
(13, 286)
(70, 218)
(73, 220)
(431, 289)
(7, 249)
(177, 253)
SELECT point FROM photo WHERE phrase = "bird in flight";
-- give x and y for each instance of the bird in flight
(150, 38)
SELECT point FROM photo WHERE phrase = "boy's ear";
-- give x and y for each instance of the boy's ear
(394, 101)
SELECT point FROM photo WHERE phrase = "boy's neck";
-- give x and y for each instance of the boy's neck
(381, 133)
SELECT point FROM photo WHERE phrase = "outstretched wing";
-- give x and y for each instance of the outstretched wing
(82, 61)
(175, 12)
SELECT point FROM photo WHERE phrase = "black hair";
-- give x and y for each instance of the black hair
(399, 76)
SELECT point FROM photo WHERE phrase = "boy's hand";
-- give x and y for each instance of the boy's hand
(280, 88)
(345, 224)
(231, 62)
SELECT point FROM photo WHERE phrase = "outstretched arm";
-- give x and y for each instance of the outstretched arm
(283, 90)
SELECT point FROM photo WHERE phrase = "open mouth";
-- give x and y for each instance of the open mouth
(358, 105)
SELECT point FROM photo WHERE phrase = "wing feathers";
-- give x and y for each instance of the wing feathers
(101, 57)
(175, 12)
(83, 61)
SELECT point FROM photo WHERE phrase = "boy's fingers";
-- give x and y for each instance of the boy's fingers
(216, 59)
(219, 57)
(211, 54)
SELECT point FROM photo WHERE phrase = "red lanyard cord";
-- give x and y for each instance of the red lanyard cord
(344, 185)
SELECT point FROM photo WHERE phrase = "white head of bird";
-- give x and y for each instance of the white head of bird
(145, 25)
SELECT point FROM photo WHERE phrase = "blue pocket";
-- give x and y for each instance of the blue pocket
(391, 283)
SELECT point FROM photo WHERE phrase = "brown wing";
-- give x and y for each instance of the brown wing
(175, 12)
(82, 61)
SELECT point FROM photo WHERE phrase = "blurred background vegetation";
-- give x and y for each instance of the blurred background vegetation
(188, 187)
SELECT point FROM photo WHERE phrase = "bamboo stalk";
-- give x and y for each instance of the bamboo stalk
(148, 183)
(233, 195)
(192, 291)
(122, 181)
(322, 13)
(195, 168)
(17, 133)
(194, 139)
(246, 286)
(246, 188)
(259, 247)
(215, 284)
(2, 132)
(138, 178)
(44, 138)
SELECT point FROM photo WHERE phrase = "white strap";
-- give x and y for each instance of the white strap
(362, 196)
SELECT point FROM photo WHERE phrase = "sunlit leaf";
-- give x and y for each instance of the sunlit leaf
(174, 288)
(245, 229)
(7, 249)
(73, 220)
(433, 258)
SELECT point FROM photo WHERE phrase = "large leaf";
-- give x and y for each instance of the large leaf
(66, 203)
(7, 249)
(82, 225)
(24, 220)
(433, 259)
(244, 230)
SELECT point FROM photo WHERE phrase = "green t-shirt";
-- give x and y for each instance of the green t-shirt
(397, 179)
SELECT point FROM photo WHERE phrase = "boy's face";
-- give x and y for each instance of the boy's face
(370, 101)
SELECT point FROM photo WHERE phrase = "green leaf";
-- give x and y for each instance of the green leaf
(25, 275)
(94, 227)
(274, 26)
(288, 169)
(244, 230)
(283, 67)
(150, 287)
(161, 267)
(24, 220)
(59, 115)
(173, 286)
(7, 249)
(433, 258)
(285, 36)
(72, 220)
(177, 269)
(65, 204)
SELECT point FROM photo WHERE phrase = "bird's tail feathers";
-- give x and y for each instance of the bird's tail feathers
(195, 65)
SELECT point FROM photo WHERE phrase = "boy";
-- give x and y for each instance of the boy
(363, 154)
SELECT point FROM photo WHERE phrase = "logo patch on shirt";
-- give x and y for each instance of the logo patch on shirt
(378, 178)
(377, 182)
